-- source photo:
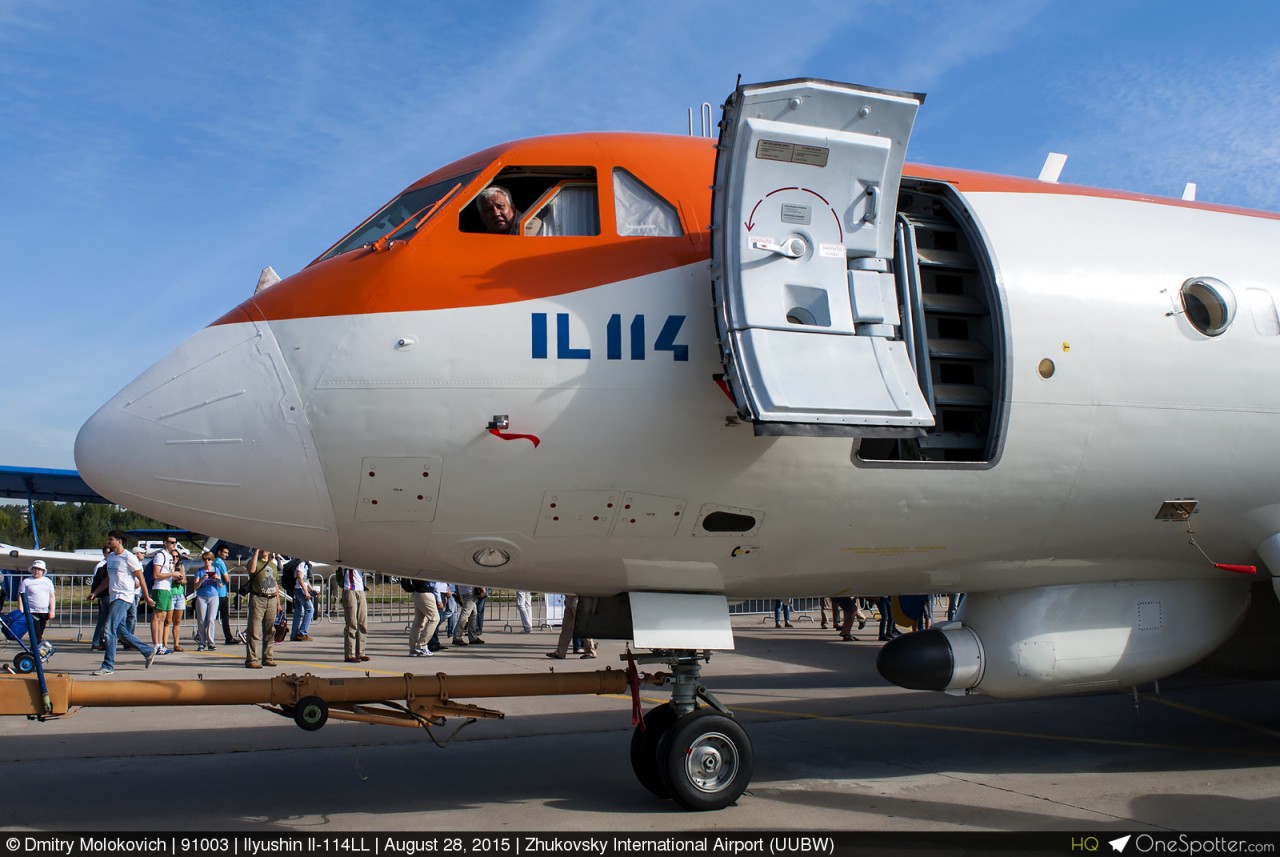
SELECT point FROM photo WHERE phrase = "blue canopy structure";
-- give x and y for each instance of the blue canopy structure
(38, 483)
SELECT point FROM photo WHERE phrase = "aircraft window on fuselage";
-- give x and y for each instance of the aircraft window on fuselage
(639, 210)
(544, 200)
(1209, 304)
(405, 214)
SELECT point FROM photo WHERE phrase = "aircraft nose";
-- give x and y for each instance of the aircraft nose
(214, 438)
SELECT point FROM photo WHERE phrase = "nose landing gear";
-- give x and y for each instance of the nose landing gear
(698, 756)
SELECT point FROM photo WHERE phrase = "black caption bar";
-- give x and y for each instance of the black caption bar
(716, 844)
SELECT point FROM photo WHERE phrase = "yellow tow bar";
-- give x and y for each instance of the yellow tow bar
(310, 699)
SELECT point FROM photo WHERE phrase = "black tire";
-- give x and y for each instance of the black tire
(705, 761)
(311, 713)
(644, 747)
(24, 663)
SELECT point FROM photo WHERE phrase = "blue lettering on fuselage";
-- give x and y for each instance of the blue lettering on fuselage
(613, 334)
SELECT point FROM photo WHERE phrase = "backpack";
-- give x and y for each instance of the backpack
(289, 574)
(99, 576)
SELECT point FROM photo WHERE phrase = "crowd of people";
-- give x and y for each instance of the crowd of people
(847, 609)
(282, 596)
(280, 593)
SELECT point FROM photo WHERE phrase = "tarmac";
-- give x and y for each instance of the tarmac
(836, 749)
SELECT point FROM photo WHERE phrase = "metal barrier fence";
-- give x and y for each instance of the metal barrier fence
(387, 603)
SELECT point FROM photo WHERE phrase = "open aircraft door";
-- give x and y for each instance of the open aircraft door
(814, 333)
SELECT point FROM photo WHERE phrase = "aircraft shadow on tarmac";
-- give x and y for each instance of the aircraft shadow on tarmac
(827, 734)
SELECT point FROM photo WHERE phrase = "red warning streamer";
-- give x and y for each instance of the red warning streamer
(633, 679)
(1238, 569)
(531, 438)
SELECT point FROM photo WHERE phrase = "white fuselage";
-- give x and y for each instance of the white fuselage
(282, 433)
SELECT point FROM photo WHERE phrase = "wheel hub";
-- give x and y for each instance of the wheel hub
(712, 762)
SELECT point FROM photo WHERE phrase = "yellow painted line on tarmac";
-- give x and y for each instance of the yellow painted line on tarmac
(1213, 715)
(328, 665)
(1009, 733)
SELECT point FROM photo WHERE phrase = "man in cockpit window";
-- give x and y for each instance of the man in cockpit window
(500, 216)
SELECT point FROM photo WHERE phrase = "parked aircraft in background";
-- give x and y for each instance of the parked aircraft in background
(18, 559)
(787, 364)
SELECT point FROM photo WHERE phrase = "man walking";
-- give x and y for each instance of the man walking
(468, 596)
(445, 607)
(124, 577)
(426, 615)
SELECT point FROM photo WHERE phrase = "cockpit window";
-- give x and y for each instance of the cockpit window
(639, 210)
(546, 201)
(569, 208)
(405, 214)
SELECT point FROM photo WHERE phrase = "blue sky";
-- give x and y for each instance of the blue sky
(155, 156)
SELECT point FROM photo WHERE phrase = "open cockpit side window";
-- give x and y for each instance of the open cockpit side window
(554, 201)
(639, 210)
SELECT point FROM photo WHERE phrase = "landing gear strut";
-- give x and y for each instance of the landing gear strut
(698, 756)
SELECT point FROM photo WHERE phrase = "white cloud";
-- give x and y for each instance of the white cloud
(1212, 118)
(937, 40)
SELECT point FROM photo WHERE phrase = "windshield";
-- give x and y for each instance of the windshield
(406, 213)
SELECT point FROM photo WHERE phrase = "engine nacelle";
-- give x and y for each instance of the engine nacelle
(1067, 639)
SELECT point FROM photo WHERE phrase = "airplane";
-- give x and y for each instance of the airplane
(781, 362)
(19, 559)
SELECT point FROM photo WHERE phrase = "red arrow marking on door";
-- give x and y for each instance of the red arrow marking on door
(750, 222)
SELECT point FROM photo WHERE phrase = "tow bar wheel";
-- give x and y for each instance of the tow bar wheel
(705, 760)
(24, 663)
(311, 713)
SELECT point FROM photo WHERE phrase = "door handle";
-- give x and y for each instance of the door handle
(873, 204)
(792, 248)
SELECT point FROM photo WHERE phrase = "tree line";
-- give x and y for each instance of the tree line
(68, 526)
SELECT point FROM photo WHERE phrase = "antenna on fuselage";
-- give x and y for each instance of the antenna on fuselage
(267, 279)
(1052, 168)
(1189, 192)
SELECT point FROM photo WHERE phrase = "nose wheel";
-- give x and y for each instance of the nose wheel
(705, 760)
(644, 747)
(702, 758)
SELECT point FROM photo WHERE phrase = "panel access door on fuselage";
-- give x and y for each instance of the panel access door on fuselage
(803, 212)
